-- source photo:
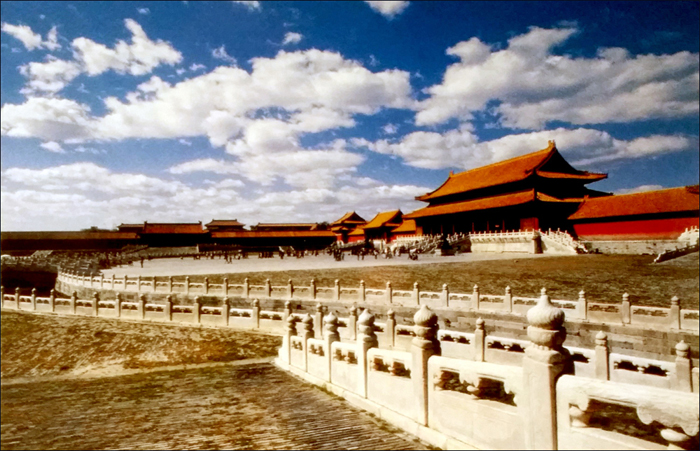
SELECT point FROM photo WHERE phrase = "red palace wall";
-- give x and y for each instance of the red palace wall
(355, 239)
(650, 229)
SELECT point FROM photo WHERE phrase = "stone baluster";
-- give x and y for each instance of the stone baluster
(363, 295)
(625, 311)
(674, 315)
(102, 280)
(684, 368)
(170, 284)
(331, 335)
(112, 281)
(318, 321)
(416, 293)
(17, 298)
(476, 298)
(287, 312)
(352, 323)
(366, 339)
(445, 295)
(307, 325)
(602, 356)
(141, 307)
(312, 289)
(291, 331)
(169, 308)
(52, 300)
(90, 279)
(337, 290)
(124, 286)
(389, 293)
(138, 284)
(226, 287)
(290, 289)
(118, 305)
(155, 283)
(480, 341)
(187, 285)
(197, 310)
(508, 300)
(544, 361)
(582, 306)
(424, 345)
(206, 285)
(225, 311)
(390, 329)
(677, 439)
(268, 289)
(96, 304)
(246, 288)
(256, 314)
(73, 302)
(33, 298)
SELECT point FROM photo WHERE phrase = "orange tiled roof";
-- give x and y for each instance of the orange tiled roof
(349, 218)
(504, 200)
(385, 219)
(224, 223)
(408, 226)
(276, 234)
(310, 225)
(357, 232)
(167, 228)
(508, 171)
(662, 201)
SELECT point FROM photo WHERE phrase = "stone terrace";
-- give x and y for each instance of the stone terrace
(245, 407)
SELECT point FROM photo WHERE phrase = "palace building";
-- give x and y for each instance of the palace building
(347, 224)
(539, 190)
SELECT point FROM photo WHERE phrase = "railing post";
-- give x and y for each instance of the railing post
(480, 341)
(318, 321)
(423, 346)
(476, 298)
(52, 300)
(206, 285)
(169, 308)
(17, 298)
(142, 306)
(73, 301)
(118, 305)
(226, 287)
(246, 288)
(625, 312)
(684, 368)
(543, 363)
(291, 331)
(187, 285)
(256, 314)
(197, 310)
(138, 284)
(337, 290)
(170, 284)
(290, 289)
(33, 298)
(352, 323)
(96, 304)
(602, 356)
(389, 293)
(112, 281)
(155, 283)
(225, 311)
(331, 336)
(307, 325)
(416, 293)
(390, 330)
(366, 339)
(102, 280)
(445, 295)
(582, 306)
(312, 288)
(674, 314)
(508, 300)
(125, 286)
(268, 289)
(363, 295)
(287, 311)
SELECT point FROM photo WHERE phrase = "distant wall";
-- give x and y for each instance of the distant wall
(637, 247)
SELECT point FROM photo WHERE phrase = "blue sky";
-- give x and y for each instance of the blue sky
(300, 111)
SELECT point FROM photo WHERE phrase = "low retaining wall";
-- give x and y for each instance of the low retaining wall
(640, 247)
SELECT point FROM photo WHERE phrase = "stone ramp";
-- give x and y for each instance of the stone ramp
(230, 407)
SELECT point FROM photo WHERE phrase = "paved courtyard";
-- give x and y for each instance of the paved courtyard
(227, 407)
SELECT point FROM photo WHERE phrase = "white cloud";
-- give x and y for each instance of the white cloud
(390, 129)
(251, 5)
(24, 33)
(292, 38)
(533, 86)
(139, 57)
(639, 189)
(48, 77)
(184, 142)
(52, 146)
(388, 9)
(143, 11)
(220, 54)
(51, 42)
(195, 67)
(50, 119)
(461, 147)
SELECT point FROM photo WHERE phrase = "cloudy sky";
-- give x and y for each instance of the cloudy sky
(300, 111)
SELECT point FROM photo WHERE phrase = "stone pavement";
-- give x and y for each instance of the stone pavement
(229, 407)
(188, 266)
